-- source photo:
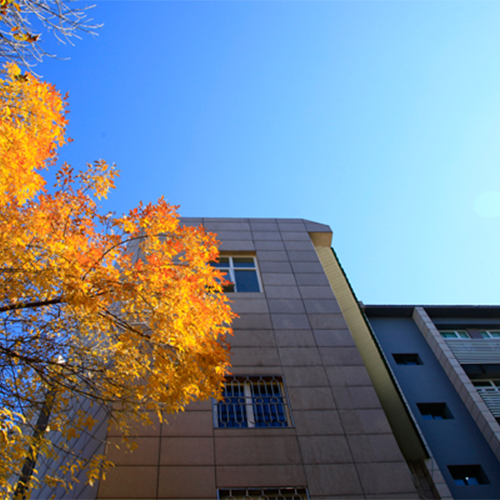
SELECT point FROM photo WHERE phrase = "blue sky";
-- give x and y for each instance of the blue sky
(381, 119)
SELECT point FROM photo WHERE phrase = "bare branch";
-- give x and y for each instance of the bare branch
(20, 21)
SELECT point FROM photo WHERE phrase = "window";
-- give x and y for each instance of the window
(407, 359)
(485, 386)
(467, 475)
(263, 493)
(490, 334)
(454, 334)
(241, 272)
(434, 411)
(252, 402)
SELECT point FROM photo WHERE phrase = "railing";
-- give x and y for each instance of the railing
(252, 402)
(475, 351)
(492, 401)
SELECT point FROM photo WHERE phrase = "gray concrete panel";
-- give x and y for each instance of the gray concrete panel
(295, 338)
(289, 306)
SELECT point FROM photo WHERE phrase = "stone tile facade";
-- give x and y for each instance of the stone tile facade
(338, 443)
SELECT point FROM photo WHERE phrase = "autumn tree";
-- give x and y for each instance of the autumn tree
(22, 22)
(84, 319)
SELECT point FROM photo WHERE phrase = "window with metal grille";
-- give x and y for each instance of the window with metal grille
(252, 402)
(263, 494)
(241, 273)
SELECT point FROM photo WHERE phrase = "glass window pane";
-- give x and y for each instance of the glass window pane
(485, 335)
(495, 335)
(231, 412)
(228, 284)
(463, 334)
(246, 281)
(466, 475)
(449, 335)
(243, 262)
(268, 405)
(252, 402)
(223, 263)
(226, 276)
(407, 359)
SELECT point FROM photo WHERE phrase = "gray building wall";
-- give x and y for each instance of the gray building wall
(339, 443)
(85, 446)
(456, 441)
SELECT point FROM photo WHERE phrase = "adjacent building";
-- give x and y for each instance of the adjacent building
(321, 404)
(446, 361)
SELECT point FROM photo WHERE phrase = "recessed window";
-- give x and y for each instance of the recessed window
(468, 475)
(407, 359)
(454, 334)
(434, 411)
(488, 385)
(252, 402)
(240, 272)
(490, 334)
(263, 493)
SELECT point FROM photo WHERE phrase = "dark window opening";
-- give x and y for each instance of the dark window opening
(434, 411)
(468, 475)
(481, 372)
(407, 359)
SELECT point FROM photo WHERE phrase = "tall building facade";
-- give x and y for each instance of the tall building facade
(447, 363)
(313, 409)
(300, 413)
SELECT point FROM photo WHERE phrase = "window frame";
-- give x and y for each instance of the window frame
(494, 385)
(487, 334)
(442, 412)
(256, 493)
(231, 268)
(249, 404)
(402, 358)
(462, 473)
(457, 333)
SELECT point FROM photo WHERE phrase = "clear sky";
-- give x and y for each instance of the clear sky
(381, 119)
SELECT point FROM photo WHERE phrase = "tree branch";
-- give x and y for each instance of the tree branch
(32, 305)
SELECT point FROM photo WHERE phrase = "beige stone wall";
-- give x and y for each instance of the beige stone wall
(340, 444)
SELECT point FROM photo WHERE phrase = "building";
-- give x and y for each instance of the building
(317, 425)
(447, 363)
(314, 408)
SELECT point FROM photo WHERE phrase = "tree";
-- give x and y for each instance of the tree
(82, 318)
(21, 42)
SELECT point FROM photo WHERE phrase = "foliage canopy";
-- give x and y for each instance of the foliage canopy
(82, 318)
